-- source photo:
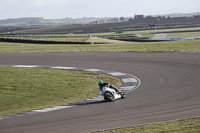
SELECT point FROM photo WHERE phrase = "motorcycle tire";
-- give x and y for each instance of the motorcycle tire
(109, 96)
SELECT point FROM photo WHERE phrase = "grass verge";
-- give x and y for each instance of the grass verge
(115, 46)
(25, 89)
(183, 126)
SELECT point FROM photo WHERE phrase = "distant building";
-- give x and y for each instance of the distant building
(139, 16)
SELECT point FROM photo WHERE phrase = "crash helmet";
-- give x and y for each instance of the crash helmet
(100, 82)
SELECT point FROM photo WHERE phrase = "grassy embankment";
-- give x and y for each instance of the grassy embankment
(25, 89)
(115, 46)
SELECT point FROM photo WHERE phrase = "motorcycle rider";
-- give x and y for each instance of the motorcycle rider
(102, 84)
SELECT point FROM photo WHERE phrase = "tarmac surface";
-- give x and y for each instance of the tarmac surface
(170, 90)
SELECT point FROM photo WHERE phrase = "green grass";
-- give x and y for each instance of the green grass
(115, 46)
(183, 126)
(125, 34)
(25, 89)
(184, 35)
(146, 33)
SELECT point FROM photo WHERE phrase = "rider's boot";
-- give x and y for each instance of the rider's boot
(118, 91)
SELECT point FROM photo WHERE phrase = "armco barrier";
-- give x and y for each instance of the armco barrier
(45, 42)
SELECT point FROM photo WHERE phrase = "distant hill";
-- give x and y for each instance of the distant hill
(179, 14)
(69, 25)
(33, 22)
(137, 23)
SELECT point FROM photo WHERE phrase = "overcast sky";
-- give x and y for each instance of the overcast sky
(93, 8)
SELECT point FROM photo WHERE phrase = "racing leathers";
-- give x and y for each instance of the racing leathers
(107, 85)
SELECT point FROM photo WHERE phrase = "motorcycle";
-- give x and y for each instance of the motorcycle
(111, 95)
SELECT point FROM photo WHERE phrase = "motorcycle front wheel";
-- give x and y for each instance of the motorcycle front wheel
(109, 96)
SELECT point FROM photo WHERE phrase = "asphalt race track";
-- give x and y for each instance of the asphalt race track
(170, 90)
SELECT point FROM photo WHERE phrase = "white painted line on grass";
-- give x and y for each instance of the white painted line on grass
(92, 70)
(52, 109)
(25, 66)
(67, 68)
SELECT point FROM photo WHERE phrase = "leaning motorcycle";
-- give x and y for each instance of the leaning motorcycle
(111, 95)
